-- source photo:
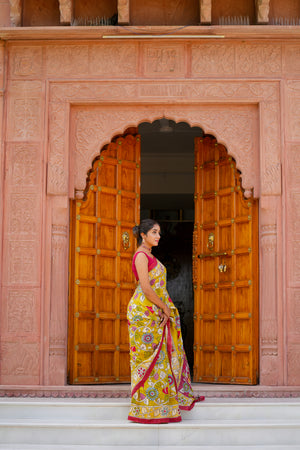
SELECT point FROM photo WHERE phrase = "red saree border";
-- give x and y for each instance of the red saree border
(149, 370)
(167, 420)
(169, 349)
(196, 400)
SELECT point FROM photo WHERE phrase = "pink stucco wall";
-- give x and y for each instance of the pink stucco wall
(62, 100)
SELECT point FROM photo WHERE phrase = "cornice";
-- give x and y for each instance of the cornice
(166, 33)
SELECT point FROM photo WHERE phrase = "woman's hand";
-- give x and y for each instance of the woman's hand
(165, 315)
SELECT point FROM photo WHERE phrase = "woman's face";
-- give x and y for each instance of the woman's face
(153, 236)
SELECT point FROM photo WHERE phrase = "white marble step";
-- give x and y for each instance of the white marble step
(98, 409)
(146, 447)
(51, 424)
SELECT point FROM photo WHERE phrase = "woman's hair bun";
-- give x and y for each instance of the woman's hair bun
(136, 231)
(143, 227)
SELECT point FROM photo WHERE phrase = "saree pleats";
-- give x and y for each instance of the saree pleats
(160, 377)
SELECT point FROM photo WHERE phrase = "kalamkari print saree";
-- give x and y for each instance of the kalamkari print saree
(160, 376)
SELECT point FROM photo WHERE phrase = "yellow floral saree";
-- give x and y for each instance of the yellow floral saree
(160, 377)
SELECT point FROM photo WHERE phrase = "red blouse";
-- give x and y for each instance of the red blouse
(151, 263)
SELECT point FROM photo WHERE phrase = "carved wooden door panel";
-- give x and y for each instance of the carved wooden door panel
(225, 271)
(101, 279)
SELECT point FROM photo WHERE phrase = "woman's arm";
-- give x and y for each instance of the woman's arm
(141, 264)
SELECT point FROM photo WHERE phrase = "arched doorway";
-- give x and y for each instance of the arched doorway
(101, 282)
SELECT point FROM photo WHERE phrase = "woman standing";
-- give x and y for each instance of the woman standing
(160, 376)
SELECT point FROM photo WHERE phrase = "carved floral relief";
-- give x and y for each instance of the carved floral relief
(293, 244)
(258, 59)
(234, 126)
(292, 160)
(294, 314)
(293, 110)
(20, 312)
(2, 54)
(292, 59)
(25, 111)
(113, 61)
(271, 142)
(67, 60)
(293, 364)
(21, 359)
(209, 59)
(22, 267)
(23, 164)
(26, 61)
(24, 216)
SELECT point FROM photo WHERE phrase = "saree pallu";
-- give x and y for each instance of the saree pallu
(160, 376)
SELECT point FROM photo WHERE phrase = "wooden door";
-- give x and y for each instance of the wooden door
(101, 279)
(225, 271)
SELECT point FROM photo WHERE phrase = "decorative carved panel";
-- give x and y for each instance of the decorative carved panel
(23, 165)
(57, 182)
(294, 314)
(121, 59)
(59, 290)
(293, 364)
(20, 313)
(233, 126)
(262, 59)
(25, 111)
(224, 59)
(24, 215)
(20, 359)
(292, 59)
(2, 55)
(164, 60)
(213, 59)
(271, 143)
(293, 237)
(25, 62)
(293, 110)
(69, 60)
(22, 267)
(292, 160)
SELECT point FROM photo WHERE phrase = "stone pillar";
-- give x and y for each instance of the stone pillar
(205, 11)
(15, 13)
(123, 12)
(262, 11)
(270, 364)
(65, 9)
(59, 293)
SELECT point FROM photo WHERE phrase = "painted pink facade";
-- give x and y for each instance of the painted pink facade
(65, 92)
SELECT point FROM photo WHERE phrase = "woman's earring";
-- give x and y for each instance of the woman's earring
(143, 240)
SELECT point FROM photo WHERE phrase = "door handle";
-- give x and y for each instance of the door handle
(125, 240)
(211, 255)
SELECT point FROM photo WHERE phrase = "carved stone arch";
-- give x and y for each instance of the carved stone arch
(234, 128)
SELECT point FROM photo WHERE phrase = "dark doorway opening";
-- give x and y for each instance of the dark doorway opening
(167, 195)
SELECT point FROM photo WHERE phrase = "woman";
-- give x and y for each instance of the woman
(160, 377)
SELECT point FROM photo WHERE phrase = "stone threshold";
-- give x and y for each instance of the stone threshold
(123, 391)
